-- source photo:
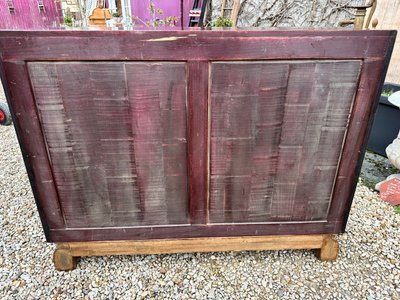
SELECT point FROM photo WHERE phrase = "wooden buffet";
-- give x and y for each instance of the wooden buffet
(181, 141)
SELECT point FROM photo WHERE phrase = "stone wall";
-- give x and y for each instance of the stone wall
(291, 13)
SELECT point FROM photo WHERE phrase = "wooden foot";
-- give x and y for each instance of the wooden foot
(329, 249)
(63, 259)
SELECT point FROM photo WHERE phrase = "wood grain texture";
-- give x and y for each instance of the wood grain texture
(209, 45)
(329, 249)
(117, 143)
(65, 255)
(196, 245)
(195, 230)
(33, 149)
(277, 131)
(63, 259)
(198, 141)
(360, 124)
(118, 146)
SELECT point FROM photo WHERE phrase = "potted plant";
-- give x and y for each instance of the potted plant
(386, 124)
(117, 18)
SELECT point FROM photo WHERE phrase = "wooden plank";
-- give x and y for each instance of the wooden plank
(84, 136)
(57, 133)
(290, 32)
(196, 245)
(276, 127)
(30, 137)
(223, 6)
(360, 123)
(157, 93)
(209, 45)
(235, 11)
(291, 145)
(66, 253)
(236, 117)
(112, 114)
(327, 134)
(198, 79)
(188, 231)
(117, 143)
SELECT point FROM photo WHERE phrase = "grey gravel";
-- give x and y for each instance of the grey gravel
(368, 266)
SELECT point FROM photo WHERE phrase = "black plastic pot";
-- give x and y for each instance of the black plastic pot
(386, 124)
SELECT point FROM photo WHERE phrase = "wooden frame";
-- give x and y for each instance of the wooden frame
(18, 49)
(66, 254)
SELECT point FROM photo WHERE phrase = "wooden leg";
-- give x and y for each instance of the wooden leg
(329, 249)
(63, 259)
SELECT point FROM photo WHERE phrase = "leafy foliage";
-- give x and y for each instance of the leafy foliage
(68, 21)
(387, 93)
(222, 22)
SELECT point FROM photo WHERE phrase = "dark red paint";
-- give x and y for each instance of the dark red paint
(137, 135)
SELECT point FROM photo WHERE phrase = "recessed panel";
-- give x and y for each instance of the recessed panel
(277, 130)
(117, 140)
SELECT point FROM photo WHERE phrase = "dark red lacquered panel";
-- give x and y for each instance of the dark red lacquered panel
(277, 130)
(114, 128)
(117, 140)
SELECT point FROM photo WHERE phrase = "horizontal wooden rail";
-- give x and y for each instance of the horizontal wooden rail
(66, 253)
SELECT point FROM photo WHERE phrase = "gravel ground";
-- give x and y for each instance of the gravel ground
(368, 266)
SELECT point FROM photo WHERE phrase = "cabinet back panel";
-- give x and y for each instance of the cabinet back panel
(277, 130)
(116, 138)
(172, 134)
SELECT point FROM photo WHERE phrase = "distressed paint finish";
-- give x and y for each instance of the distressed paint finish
(138, 140)
(198, 146)
(277, 131)
(28, 16)
(117, 144)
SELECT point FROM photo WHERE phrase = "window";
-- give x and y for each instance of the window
(11, 7)
(41, 5)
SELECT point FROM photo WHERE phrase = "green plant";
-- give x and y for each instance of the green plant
(397, 209)
(68, 21)
(387, 93)
(116, 15)
(222, 22)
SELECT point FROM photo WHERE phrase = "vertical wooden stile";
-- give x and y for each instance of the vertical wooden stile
(30, 137)
(198, 140)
